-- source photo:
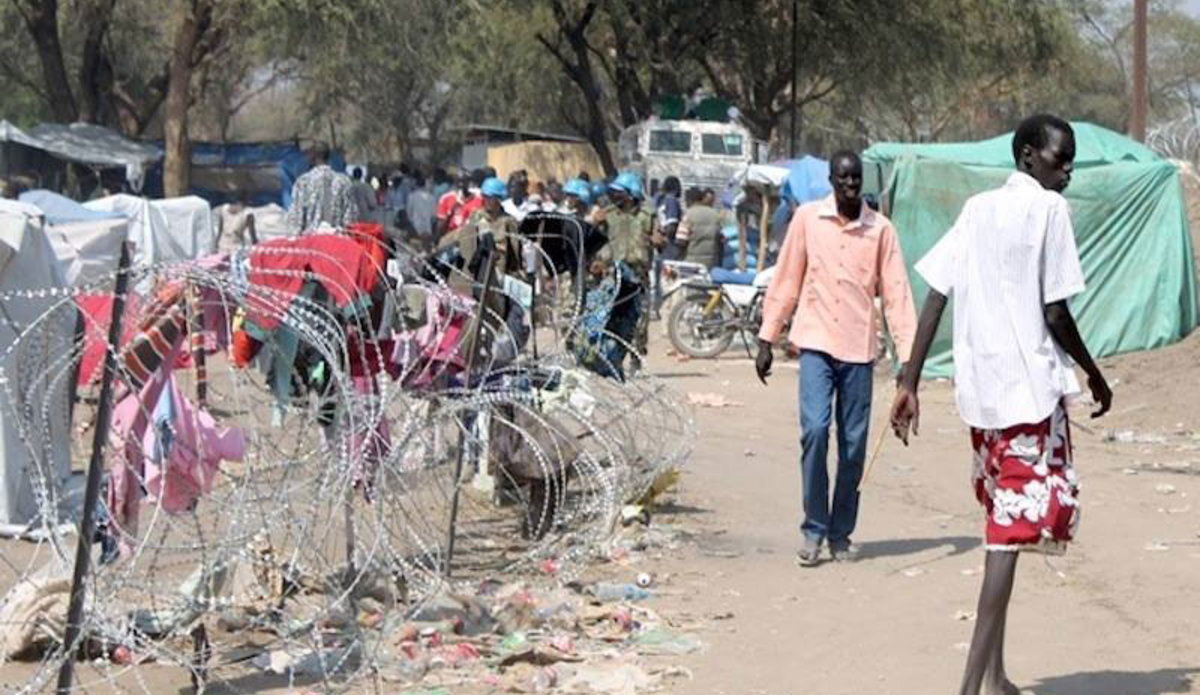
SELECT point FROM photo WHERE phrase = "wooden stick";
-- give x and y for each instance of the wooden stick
(763, 223)
(883, 433)
(73, 631)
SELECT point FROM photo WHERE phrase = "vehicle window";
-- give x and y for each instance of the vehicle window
(729, 145)
(670, 141)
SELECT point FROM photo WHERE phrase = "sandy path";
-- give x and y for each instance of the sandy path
(1116, 616)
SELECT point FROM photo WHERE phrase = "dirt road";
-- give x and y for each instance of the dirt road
(1118, 615)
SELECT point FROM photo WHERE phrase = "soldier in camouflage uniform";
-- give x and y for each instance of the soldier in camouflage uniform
(500, 318)
(631, 234)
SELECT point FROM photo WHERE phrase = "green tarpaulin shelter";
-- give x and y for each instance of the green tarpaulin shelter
(1130, 223)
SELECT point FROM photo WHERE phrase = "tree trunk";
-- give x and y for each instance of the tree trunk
(41, 18)
(92, 73)
(583, 74)
(177, 167)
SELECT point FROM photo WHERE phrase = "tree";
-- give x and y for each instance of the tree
(1106, 29)
(193, 20)
(41, 21)
(574, 52)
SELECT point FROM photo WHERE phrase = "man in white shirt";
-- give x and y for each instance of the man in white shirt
(1011, 264)
(421, 206)
(517, 205)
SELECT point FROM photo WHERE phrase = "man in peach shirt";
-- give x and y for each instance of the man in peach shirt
(838, 256)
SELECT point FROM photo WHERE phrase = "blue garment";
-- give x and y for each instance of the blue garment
(609, 322)
(821, 379)
(397, 196)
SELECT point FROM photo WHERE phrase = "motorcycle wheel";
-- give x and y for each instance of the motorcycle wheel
(683, 328)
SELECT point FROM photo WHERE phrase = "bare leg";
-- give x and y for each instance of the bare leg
(995, 680)
(987, 644)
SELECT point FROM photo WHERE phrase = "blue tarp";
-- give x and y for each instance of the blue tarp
(240, 153)
(808, 180)
(60, 209)
(287, 159)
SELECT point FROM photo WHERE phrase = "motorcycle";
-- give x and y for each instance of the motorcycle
(714, 306)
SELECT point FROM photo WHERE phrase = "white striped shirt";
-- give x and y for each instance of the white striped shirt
(1011, 251)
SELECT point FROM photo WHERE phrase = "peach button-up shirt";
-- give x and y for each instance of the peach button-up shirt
(826, 279)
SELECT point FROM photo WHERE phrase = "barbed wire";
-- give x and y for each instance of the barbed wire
(352, 416)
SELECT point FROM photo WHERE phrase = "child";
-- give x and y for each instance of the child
(1011, 264)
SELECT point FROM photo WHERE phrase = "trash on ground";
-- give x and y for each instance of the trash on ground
(711, 400)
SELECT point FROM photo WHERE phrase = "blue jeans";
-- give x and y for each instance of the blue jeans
(821, 378)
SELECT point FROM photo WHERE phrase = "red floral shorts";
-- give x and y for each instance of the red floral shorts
(1024, 479)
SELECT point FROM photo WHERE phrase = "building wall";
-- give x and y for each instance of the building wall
(546, 160)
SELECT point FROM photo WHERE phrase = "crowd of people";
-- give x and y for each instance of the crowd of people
(457, 211)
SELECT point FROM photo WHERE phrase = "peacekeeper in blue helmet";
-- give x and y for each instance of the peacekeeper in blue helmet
(630, 227)
(489, 227)
(577, 199)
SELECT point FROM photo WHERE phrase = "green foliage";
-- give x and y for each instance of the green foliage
(390, 77)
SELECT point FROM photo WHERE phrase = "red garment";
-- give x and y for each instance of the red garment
(97, 314)
(244, 349)
(464, 212)
(1024, 478)
(371, 357)
(456, 209)
(447, 203)
(279, 268)
(370, 236)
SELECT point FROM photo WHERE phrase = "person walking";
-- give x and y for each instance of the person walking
(625, 259)
(699, 238)
(839, 255)
(420, 210)
(670, 212)
(364, 195)
(1011, 264)
(321, 196)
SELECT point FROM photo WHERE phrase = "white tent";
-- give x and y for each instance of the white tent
(164, 231)
(35, 454)
(87, 244)
(88, 252)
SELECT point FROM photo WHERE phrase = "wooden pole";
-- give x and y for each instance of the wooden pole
(761, 265)
(91, 495)
(741, 243)
(476, 329)
(1141, 96)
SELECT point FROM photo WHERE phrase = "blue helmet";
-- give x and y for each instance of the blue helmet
(580, 189)
(628, 182)
(599, 189)
(494, 188)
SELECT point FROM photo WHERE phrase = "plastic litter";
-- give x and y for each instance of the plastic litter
(620, 592)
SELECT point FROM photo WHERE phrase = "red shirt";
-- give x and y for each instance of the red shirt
(455, 209)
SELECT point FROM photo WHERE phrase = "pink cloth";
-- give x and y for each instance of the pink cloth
(369, 448)
(131, 419)
(198, 446)
(829, 272)
(423, 353)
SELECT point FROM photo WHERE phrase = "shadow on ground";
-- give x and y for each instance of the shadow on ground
(672, 507)
(1160, 682)
(679, 375)
(914, 546)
